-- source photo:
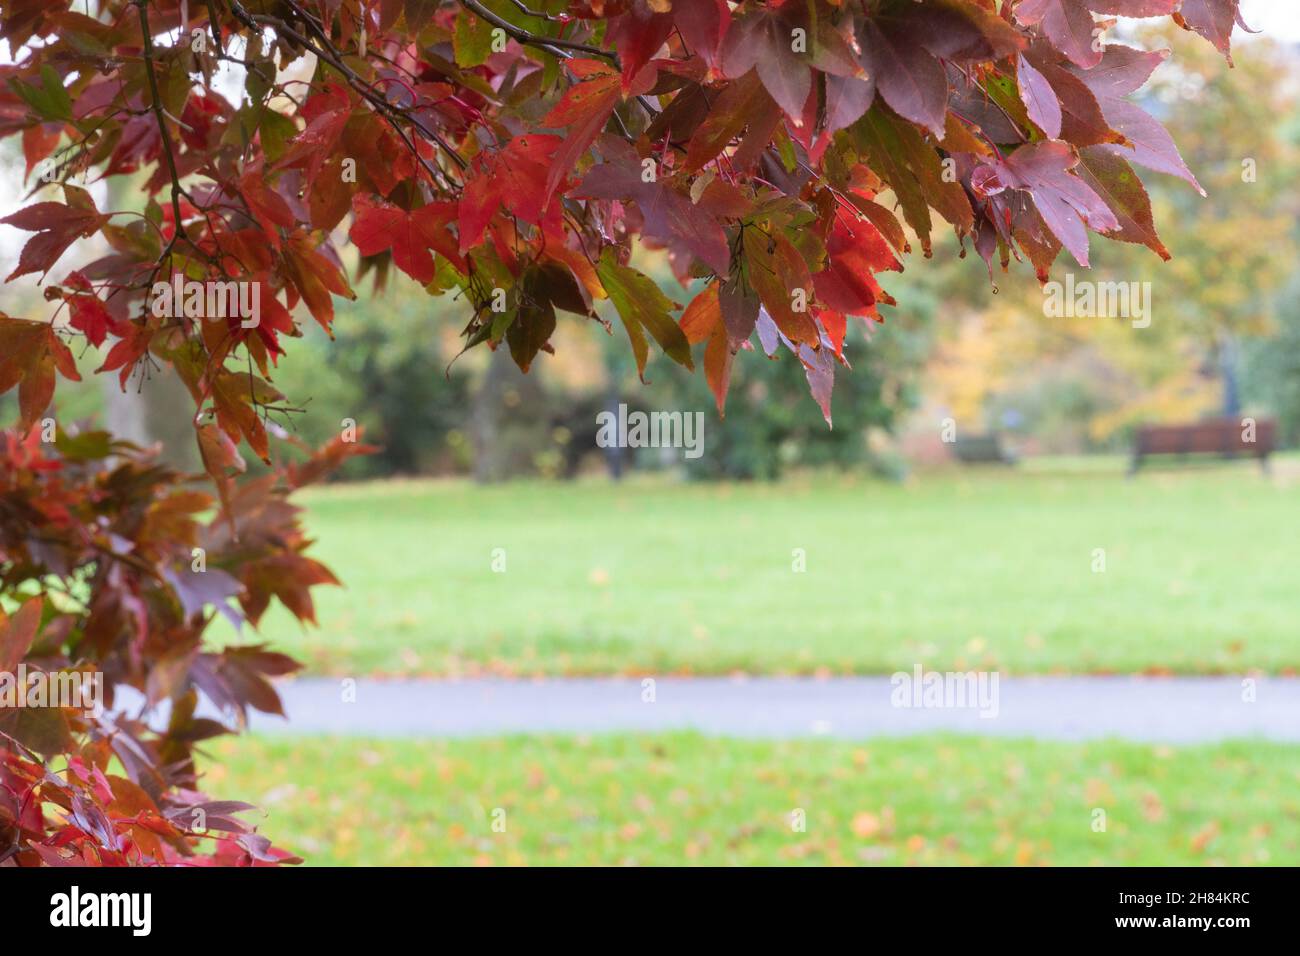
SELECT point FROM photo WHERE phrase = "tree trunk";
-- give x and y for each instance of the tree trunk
(155, 411)
(1229, 365)
(485, 417)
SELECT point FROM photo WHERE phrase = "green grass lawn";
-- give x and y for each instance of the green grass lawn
(682, 798)
(988, 569)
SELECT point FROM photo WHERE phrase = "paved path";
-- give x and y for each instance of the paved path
(1073, 708)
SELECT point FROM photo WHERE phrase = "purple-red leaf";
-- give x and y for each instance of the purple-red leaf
(1039, 98)
(912, 81)
(1123, 70)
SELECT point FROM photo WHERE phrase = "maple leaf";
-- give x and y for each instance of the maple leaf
(819, 370)
(953, 30)
(847, 98)
(1069, 23)
(235, 397)
(546, 286)
(327, 114)
(1115, 181)
(1066, 203)
(411, 237)
(733, 110)
(1081, 119)
(914, 170)
(57, 226)
(702, 322)
(17, 631)
(205, 117)
(89, 315)
(585, 108)
(779, 275)
(140, 144)
(911, 80)
(267, 207)
(1040, 99)
(328, 459)
(642, 307)
(669, 217)
(317, 279)
(703, 25)
(1121, 71)
(133, 343)
(39, 141)
(764, 40)
(288, 577)
(855, 252)
(1212, 19)
(515, 177)
(637, 35)
(30, 353)
(197, 590)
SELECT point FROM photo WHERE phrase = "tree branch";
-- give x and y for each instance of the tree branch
(155, 99)
(363, 88)
(553, 46)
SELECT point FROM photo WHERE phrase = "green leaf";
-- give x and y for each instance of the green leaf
(472, 40)
(642, 307)
(50, 100)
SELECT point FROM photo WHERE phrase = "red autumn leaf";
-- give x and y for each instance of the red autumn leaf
(585, 108)
(267, 207)
(702, 26)
(855, 252)
(765, 41)
(780, 278)
(1123, 70)
(39, 142)
(1070, 27)
(1066, 203)
(1212, 19)
(327, 116)
(637, 36)
(411, 237)
(669, 217)
(89, 315)
(57, 226)
(30, 353)
(733, 109)
(702, 322)
(909, 78)
(1039, 98)
(131, 347)
(514, 178)
(17, 631)
(1115, 181)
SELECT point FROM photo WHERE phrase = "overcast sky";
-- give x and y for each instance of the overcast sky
(1279, 19)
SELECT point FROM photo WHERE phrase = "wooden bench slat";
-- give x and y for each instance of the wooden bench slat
(1223, 436)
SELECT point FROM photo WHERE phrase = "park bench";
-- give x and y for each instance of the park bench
(1223, 437)
(982, 450)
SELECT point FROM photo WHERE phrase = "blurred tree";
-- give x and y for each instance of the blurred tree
(1230, 254)
(1272, 366)
(769, 426)
(398, 386)
(1232, 250)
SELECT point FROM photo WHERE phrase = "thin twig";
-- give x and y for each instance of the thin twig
(156, 104)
